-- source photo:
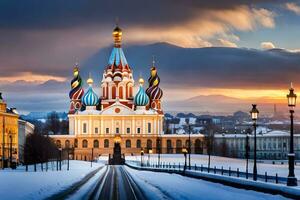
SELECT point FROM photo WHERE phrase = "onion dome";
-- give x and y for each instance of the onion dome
(141, 98)
(90, 98)
(117, 34)
(76, 92)
(153, 91)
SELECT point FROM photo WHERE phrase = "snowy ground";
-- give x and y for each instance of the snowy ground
(217, 161)
(38, 185)
(172, 186)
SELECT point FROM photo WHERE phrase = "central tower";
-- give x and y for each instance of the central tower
(117, 82)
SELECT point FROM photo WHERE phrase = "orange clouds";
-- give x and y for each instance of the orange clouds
(31, 77)
(293, 7)
(209, 28)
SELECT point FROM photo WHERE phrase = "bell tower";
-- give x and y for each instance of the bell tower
(117, 81)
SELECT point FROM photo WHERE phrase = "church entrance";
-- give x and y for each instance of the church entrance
(117, 157)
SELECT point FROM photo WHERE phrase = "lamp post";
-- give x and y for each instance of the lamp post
(3, 140)
(291, 180)
(189, 146)
(92, 158)
(10, 149)
(247, 154)
(254, 115)
(68, 167)
(158, 142)
(150, 152)
(184, 151)
(142, 155)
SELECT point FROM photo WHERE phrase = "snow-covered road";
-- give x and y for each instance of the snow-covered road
(172, 186)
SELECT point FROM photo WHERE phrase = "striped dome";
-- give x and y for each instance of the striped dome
(141, 98)
(90, 98)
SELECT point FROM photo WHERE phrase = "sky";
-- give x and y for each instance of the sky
(251, 48)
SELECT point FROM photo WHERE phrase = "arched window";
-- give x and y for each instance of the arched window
(113, 92)
(169, 146)
(84, 143)
(121, 92)
(67, 144)
(96, 144)
(106, 143)
(58, 143)
(178, 146)
(103, 92)
(130, 91)
(149, 144)
(138, 144)
(128, 144)
(187, 142)
(75, 143)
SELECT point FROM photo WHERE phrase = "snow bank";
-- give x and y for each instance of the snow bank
(19, 184)
(281, 170)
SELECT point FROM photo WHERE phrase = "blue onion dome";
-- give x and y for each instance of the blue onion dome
(141, 98)
(90, 98)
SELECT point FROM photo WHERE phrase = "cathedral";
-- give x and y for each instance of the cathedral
(118, 115)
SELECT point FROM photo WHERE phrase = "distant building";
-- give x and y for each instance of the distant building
(25, 128)
(8, 132)
(270, 145)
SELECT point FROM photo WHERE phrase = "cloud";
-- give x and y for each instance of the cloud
(226, 43)
(293, 7)
(31, 77)
(267, 45)
(49, 37)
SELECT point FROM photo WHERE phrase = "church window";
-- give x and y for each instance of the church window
(138, 144)
(128, 144)
(128, 130)
(117, 130)
(149, 127)
(106, 143)
(138, 130)
(107, 130)
(84, 128)
(84, 144)
(96, 130)
(96, 144)
(113, 92)
(121, 92)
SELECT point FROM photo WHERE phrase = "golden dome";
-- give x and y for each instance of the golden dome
(117, 34)
(141, 81)
(90, 81)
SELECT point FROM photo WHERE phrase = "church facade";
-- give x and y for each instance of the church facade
(118, 115)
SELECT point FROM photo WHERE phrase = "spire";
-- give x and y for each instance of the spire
(153, 61)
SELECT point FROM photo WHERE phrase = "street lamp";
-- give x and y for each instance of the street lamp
(184, 151)
(10, 149)
(254, 115)
(150, 152)
(291, 180)
(189, 146)
(247, 154)
(142, 155)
